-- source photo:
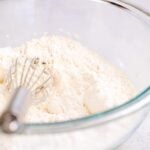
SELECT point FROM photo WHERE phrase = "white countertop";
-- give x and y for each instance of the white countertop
(140, 140)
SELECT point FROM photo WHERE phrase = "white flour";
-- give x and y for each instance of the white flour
(83, 82)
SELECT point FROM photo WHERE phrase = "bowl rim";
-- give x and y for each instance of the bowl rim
(139, 101)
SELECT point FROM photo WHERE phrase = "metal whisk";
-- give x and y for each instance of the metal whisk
(28, 78)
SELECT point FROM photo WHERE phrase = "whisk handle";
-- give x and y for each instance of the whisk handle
(13, 116)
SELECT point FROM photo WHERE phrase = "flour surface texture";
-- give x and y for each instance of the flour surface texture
(83, 83)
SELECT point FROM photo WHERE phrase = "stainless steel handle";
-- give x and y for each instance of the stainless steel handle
(12, 118)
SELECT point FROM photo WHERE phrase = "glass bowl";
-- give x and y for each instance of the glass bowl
(118, 31)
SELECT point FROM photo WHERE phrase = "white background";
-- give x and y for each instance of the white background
(141, 138)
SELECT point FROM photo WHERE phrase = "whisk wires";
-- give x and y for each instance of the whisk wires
(30, 73)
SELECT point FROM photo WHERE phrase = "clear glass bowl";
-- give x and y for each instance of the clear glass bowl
(118, 31)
